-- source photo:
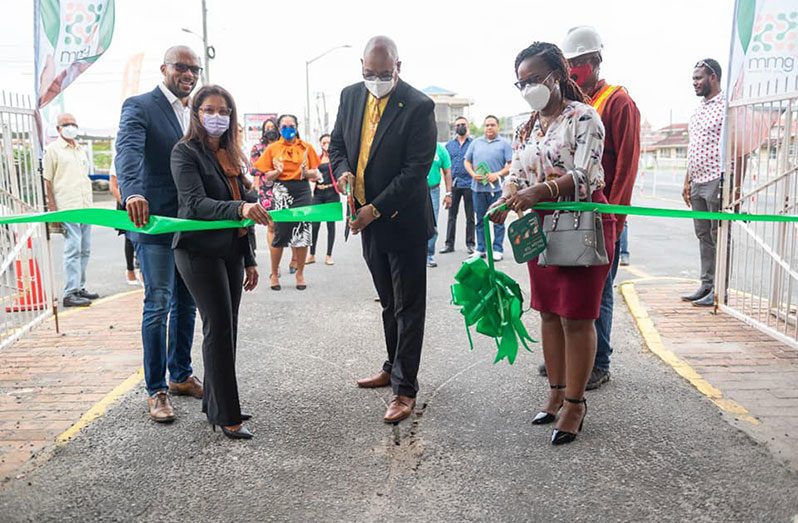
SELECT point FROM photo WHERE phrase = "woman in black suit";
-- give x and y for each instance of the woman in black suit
(208, 168)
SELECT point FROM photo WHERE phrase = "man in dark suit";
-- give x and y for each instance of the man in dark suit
(150, 126)
(382, 147)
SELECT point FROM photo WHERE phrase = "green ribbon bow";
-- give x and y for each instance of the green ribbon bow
(492, 300)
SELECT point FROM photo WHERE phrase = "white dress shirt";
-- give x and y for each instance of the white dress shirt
(182, 112)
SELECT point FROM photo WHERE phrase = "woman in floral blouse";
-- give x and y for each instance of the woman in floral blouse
(562, 141)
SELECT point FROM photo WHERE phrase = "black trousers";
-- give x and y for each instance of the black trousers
(129, 255)
(216, 285)
(459, 193)
(324, 196)
(400, 278)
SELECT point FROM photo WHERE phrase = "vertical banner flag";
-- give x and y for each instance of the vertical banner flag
(69, 36)
(131, 76)
(762, 63)
(764, 49)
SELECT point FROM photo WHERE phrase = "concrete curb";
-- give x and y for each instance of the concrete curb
(654, 343)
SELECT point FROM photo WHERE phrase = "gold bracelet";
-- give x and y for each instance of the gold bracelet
(554, 183)
(551, 191)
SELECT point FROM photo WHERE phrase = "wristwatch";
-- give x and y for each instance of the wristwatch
(447, 194)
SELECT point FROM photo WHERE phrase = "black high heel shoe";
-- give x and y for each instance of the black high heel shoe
(241, 433)
(543, 417)
(245, 416)
(561, 437)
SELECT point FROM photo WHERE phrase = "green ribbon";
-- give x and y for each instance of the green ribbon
(326, 212)
(492, 300)
(608, 208)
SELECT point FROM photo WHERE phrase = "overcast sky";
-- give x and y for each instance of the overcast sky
(468, 48)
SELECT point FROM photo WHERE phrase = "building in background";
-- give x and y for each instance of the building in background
(670, 151)
(648, 138)
(448, 106)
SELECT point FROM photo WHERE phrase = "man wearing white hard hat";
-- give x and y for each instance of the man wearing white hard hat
(583, 49)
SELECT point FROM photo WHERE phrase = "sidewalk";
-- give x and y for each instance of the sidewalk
(749, 375)
(50, 382)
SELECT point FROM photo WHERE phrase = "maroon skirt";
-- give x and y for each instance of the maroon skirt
(572, 292)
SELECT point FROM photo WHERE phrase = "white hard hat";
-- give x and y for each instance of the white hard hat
(581, 40)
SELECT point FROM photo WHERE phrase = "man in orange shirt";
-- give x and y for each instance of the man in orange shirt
(621, 118)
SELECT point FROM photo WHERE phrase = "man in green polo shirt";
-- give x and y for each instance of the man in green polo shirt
(441, 164)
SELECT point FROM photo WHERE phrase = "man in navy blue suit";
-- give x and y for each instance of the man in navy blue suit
(150, 125)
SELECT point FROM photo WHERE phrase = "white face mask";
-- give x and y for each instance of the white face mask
(537, 95)
(379, 88)
(69, 132)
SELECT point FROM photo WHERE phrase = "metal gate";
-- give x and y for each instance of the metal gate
(758, 261)
(26, 277)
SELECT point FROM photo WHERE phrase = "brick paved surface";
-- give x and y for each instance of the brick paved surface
(749, 367)
(49, 380)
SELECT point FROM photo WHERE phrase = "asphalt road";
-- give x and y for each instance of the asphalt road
(653, 449)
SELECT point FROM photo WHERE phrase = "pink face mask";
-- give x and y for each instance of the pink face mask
(581, 73)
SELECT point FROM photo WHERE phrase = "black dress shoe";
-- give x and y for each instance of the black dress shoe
(245, 416)
(74, 300)
(241, 433)
(561, 437)
(446, 250)
(706, 301)
(697, 295)
(83, 293)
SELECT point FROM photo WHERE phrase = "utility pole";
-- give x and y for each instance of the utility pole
(206, 71)
(308, 115)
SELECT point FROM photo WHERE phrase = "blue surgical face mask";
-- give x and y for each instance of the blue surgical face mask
(289, 133)
(215, 124)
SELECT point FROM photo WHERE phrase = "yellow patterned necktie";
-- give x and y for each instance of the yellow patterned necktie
(373, 121)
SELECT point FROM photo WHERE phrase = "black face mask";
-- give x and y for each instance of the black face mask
(460, 130)
(270, 136)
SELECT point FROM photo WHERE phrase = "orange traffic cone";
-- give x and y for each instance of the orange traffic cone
(30, 295)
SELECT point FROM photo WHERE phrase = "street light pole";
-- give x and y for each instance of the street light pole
(307, 101)
(206, 72)
(208, 51)
(307, 82)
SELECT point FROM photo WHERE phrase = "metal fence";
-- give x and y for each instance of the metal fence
(757, 275)
(26, 276)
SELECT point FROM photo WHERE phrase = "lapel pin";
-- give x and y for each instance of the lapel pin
(401, 104)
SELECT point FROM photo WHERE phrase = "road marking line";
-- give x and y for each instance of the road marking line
(634, 271)
(97, 302)
(101, 407)
(654, 343)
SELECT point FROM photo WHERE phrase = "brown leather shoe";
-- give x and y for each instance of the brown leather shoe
(191, 387)
(400, 408)
(161, 408)
(381, 379)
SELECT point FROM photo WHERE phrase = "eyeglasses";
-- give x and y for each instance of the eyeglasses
(702, 63)
(385, 77)
(520, 84)
(182, 68)
(224, 111)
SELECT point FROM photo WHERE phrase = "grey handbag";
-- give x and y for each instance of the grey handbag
(574, 239)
